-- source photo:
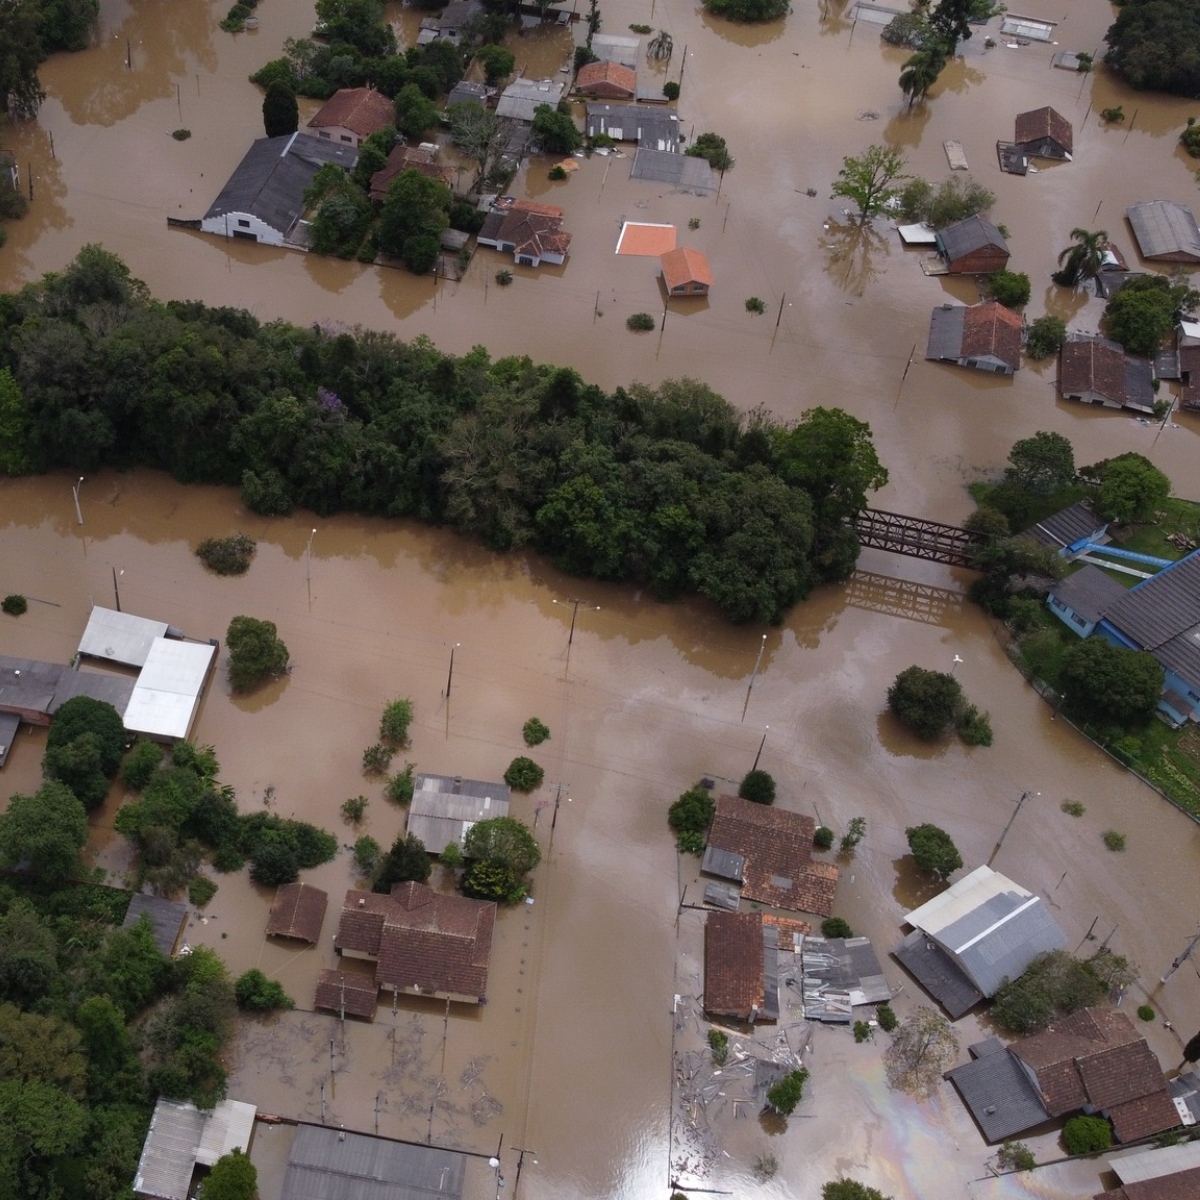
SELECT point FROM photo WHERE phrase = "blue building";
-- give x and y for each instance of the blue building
(1069, 531)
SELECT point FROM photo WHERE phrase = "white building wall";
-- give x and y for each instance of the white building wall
(236, 224)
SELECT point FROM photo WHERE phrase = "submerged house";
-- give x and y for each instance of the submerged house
(1164, 231)
(650, 126)
(443, 808)
(264, 198)
(422, 159)
(1045, 133)
(973, 246)
(608, 80)
(986, 337)
(184, 1143)
(686, 272)
(351, 115)
(521, 99)
(741, 967)
(1096, 370)
(531, 233)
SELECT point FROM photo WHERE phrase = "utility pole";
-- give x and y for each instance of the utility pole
(450, 677)
(75, 493)
(308, 557)
(754, 674)
(1024, 796)
(116, 593)
(575, 603)
(1181, 959)
(760, 748)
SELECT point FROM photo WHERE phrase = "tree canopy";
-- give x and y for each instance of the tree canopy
(1056, 984)
(1128, 488)
(47, 831)
(406, 860)
(925, 701)
(84, 748)
(1109, 684)
(748, 10)
(934, 850)
(411, 221)
(256, 652)
(850, 1189)
(922, 1048)
(554, 131)
(1156, 46)
(505, 840)
(1041, 464)
(233, 1177)
(868, 179)
(1145, 310)
(711, 147)
(281, 112)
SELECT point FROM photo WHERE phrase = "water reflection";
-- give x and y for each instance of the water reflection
(759, 33)
(852, 254)
(959, 77)
(908, 125)
(899, 742)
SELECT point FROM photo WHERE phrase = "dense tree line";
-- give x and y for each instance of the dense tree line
(669, 487)
(1157, 46)
(30, 31)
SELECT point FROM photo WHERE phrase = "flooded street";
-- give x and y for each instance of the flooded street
(570, 1060)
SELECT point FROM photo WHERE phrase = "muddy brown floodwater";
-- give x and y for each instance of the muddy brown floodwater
(571, 1059)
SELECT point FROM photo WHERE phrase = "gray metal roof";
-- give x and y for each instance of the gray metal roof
(676, 170)
(520, 100)
(41, 687)
(1139, 383)
(647, 124)
(166, 919)
(444, 807)
(723, 863)
(842, 965)
(330, 1164)
(111, 689)
(271, 180)
(1162, 615)
(1001, 1097)
(721, 895)
(1090, 592)
(610, 47)
(181, 1136)
(120, 637)
(1163, 228)
(967, 235)
(938, 974)
(467, 92)
(946, 325)
(8, 730)
(1000, 938)
(1067, 526)
(1185, 1089)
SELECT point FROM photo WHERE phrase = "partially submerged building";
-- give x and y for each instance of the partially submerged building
(686, 272)
(973, 246)
(979, 932)
(422, 159)
(532, 233)
(651, 126)
(1158, 1173)
(741, 967)
(298, 913)
(347, 994)
(443, 808)
(184, 1143)
(522, 98)
(683, 172)
(351, 115)
(166, 919)
(422, 942)
(839, 974)
(607, 80)
(986, 337)
(1070, 531)
(1096, 370)
(1165, 231)
(1045, 133)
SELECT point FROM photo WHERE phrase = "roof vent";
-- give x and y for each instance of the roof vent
(362, 901)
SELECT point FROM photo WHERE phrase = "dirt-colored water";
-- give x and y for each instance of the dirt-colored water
(574, 1047)
(570, 1059)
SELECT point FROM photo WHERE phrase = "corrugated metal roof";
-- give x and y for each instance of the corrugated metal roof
(120, 637)
(1152, 1164)
(166, 919)
(1163, 228)
(960, 898)
(1067, 526)
(179, 1135)
(522, 97)
(1005, 949)
(972, 233)
(676, 170)
(1000, 1096)
(946, 324)
(168, 690)
(1089, 592)
(725, 864)
(1162, 614)
(330, 1164)
(938, 974)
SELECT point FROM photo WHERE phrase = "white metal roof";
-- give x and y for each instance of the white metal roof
(120, 637)
(964, 897)
(179, 1134)
(1154, 1163)
(168, 690)
(229, 1128)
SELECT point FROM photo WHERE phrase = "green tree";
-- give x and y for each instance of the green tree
(523, 774)
(748, 10)
(950, 22)
(1144, 311)
(690, 817)
(358, 23)
(868, 179)
(20, 34)
(83, 715)
(711, 147)
(367, 854)
(535, 732)
(46, 831)
(1045, 337)
(1010, 288)
(497, 62)
(1110, 684)
(415, 113)
(343, 213)
(1156, 46)
(921, 72)
(407, 860)
(1129, 487)
(281, 112)
(256, 653)
(1081, 262)
(1086, 1135)
(927, 702)
(487, 879)
(554, 131)
(414, 214)
(836, 927)
(233, 1177)
(256, 993)
(850, 1189)
(922, 1048)
(786, 1093)
(934, 850)
(394, 723)
(660, 47)
(1041, 464)
(758, 787)
(1057, 984)
(14, 426)
(1191, 1052)
(505, 840)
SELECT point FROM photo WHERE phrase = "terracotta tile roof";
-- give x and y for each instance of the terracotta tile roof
(1180, 1185)
(777, 847)
(298, 912)
(606, 72)
(359, 992)
(685, 265)
(1044, 123)
(1096, 1057)
(361, 110)
(534, 229)
(421, 940)
(1088, 364)
(990, 328)
(408, 158)
(733, 964)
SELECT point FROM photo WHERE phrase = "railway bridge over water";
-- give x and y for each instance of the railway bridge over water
(918, 538)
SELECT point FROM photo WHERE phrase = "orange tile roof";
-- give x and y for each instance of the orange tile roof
(734, 983)
(361, 110)
(612, 73)
(685, 265)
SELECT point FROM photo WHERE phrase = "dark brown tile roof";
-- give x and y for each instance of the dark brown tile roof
(733, 964)
(361, 110)
(1096, 1057)
(1181, 1185)
(422, 940)
(298, 912)
(534, 229)
(408, 158)
(777, 847)
(990, 328)
(1092, 364)
(360, 993)
(1044, 123)
(1189, 368)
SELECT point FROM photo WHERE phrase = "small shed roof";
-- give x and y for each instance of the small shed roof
(1164, 229)
(1067, 526)
(1044, 122)
(182, 1137)
(520, 100)
(298, 912)
(168, 690)
(358, 993)
(613, 48)
(363, 111)
(120, 637)
(683, 265)
(966, 236)
(334, 1164)
(166, 919)
(1139, 1165)
(685, 171)
(1089, 592)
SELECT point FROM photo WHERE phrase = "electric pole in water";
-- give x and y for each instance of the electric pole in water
(1024, 796)
(1181, 959)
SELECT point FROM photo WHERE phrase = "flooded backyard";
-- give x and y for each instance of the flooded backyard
(571, 1059)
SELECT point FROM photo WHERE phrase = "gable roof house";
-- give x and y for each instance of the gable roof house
(264, 198)
(984, 336)
(351, 115)
(1165, 232)
(520, 100)
(650, 126)
(448, 27)
(1095, 370)
(422, 942)
(686, 272)
(741, 963)
(1069, 531)
(1092, 1061)
(531, 233)
(768, 850)
(1044, 133)
(298, 912)
(609, 80)
(347, 992)
(972, 246)
(969, 939)
(1080, 600)
(443, 808)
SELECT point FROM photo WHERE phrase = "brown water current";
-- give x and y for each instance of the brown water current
(571, 1058)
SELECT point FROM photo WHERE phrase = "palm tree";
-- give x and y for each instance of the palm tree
(1082, 261)
(921, 72)
(660, 47)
